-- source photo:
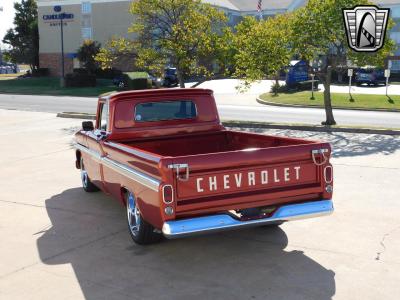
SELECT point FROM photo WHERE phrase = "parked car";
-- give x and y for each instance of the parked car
(165, 155)
(370, 76)
(120, 80)
(9, 68)
(170, 77)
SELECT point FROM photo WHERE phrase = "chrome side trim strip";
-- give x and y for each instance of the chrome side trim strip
(131, 173)
(96, 155)
(144, 179)
(133, 151)
(215, 223)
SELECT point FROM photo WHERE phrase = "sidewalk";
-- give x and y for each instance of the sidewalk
(226, 92)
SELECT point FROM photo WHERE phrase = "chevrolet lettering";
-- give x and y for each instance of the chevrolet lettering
(166, 157)
(248, 179)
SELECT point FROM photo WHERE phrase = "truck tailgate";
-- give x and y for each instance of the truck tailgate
(238, 178)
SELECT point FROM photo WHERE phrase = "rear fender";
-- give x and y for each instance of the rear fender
(78, 159)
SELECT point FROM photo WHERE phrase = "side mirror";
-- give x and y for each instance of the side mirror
(87, 126)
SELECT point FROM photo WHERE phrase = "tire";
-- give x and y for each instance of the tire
(87, 184)
(272, 225)
(141, 232)
(121, 84)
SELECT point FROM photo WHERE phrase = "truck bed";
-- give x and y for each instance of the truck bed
(215, 142)
(235, 170)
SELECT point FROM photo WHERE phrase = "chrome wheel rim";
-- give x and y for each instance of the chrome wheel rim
(84, 176)
(133, 214)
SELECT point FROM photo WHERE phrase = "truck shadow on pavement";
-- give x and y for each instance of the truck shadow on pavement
(344, 144)
(89, 232)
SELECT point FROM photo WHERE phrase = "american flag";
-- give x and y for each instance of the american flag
(259, 5)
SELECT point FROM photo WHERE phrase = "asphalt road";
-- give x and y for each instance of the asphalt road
(230, 106)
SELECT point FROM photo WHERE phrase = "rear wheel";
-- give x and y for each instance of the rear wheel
(87, 185)
(141, 232)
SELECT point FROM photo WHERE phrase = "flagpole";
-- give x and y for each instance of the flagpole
(259, 9)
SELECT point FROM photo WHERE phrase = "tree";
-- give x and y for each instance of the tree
(115, 50)
(262, 47)
(180, 32)
(87, 53)
(24, 38)
(319, 36)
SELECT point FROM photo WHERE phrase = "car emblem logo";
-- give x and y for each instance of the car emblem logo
(366, 27)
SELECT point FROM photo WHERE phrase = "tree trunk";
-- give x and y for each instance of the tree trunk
(276, 84)
(180, 78)
(330, 120)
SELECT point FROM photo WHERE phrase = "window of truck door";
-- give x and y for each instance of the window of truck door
(103, 116)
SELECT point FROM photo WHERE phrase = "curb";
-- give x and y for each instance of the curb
(265, 102)
(75, 115)
(265, 125)
(316, 128)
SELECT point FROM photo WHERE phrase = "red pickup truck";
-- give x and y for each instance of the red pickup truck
(165, 155)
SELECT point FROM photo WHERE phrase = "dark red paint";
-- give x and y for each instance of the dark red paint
(209, 149)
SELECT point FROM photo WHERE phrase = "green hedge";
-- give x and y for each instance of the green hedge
(80, 80)
(135, 81)
(41, 72)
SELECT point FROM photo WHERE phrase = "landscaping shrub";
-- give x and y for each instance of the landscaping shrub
(41, 72)
(133, 81)
(108, 73)
(80, 71)
(80, 80)
(306, 85)
(276, 88)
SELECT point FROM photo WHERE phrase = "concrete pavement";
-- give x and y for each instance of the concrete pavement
(59, 242)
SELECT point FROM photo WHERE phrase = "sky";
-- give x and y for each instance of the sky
(6, 16)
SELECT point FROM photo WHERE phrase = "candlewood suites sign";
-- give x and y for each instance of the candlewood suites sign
(54, 19)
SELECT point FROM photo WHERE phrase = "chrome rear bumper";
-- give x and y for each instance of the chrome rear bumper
(214, 223)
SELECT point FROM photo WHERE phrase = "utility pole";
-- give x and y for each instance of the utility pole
(62, 81)
(1, 55)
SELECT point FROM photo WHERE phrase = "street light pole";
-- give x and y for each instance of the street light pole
(62, 80)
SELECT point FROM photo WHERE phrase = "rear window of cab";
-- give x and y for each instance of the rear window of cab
(165, 111)
(141, 113)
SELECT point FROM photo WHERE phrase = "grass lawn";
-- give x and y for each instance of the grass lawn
(51, 86)
(9, 76)
(338, 100)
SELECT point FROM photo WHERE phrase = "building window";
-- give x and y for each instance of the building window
(87, 33)
(395, 36)
(86, 21)
(395, 65)
(86, 7)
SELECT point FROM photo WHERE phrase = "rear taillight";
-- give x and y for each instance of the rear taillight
(168, 194)
(328, 174)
